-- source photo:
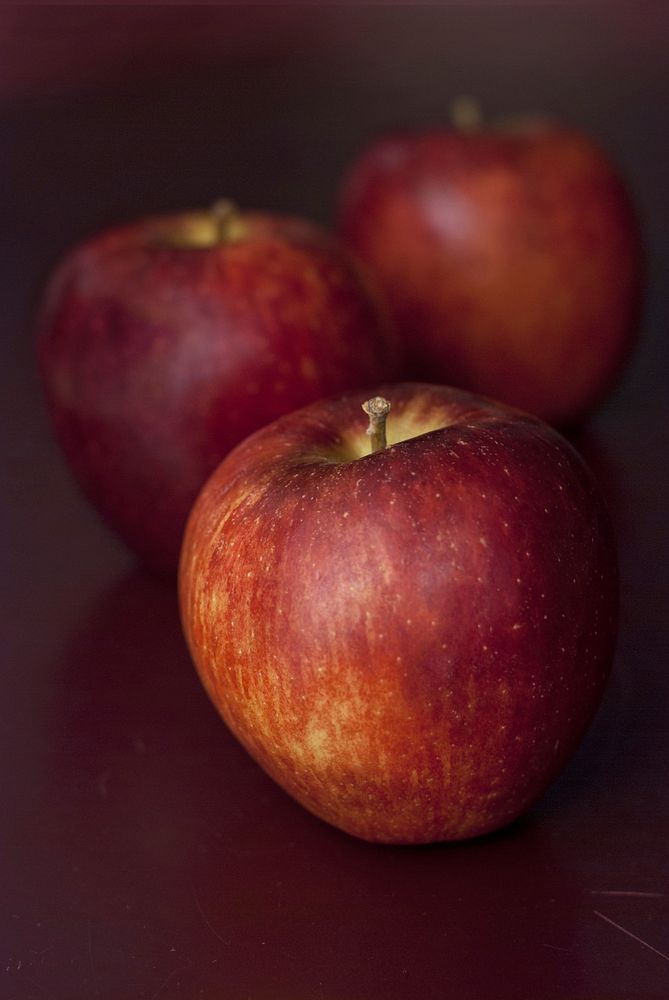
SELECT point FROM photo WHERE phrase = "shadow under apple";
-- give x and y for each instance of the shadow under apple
(169, 861)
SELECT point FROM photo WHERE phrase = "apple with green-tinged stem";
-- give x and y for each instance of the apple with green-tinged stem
(509, 255)
(165, 342)
(408, 626)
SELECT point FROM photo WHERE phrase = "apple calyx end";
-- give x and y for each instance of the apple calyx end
(377, 409)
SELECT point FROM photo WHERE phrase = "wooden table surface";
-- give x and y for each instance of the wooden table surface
(142, 853)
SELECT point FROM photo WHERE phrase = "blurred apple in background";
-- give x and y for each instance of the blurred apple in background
(413, 641)
(164, 343)
(509, 255)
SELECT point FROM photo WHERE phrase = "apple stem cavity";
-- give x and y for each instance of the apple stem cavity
(465, 114)
(215, 226)
(377, 409)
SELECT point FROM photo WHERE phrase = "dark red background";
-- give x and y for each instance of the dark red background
(142, 853)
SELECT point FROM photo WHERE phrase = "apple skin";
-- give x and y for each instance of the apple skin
(161, 346)
(411, 643)
(510, 259)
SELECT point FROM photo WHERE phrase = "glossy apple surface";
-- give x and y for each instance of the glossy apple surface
(510, 259)
(410, 642)
(166, 342)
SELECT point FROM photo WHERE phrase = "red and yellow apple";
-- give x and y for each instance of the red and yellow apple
(166, 342)
(410, 640)
(509, 257)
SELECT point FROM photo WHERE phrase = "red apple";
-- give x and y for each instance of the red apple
(166, 342)
(411, 642)
(509, 256)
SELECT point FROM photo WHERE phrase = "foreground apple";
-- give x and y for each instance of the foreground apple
(510, 258)
(166, 342)
(412, 641)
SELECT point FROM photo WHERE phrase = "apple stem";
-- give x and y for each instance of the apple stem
(465, 114)
(224, 212)
(377, 409)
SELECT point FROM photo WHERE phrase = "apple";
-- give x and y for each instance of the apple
(509, 256)
(410, 633)
(165, 342)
